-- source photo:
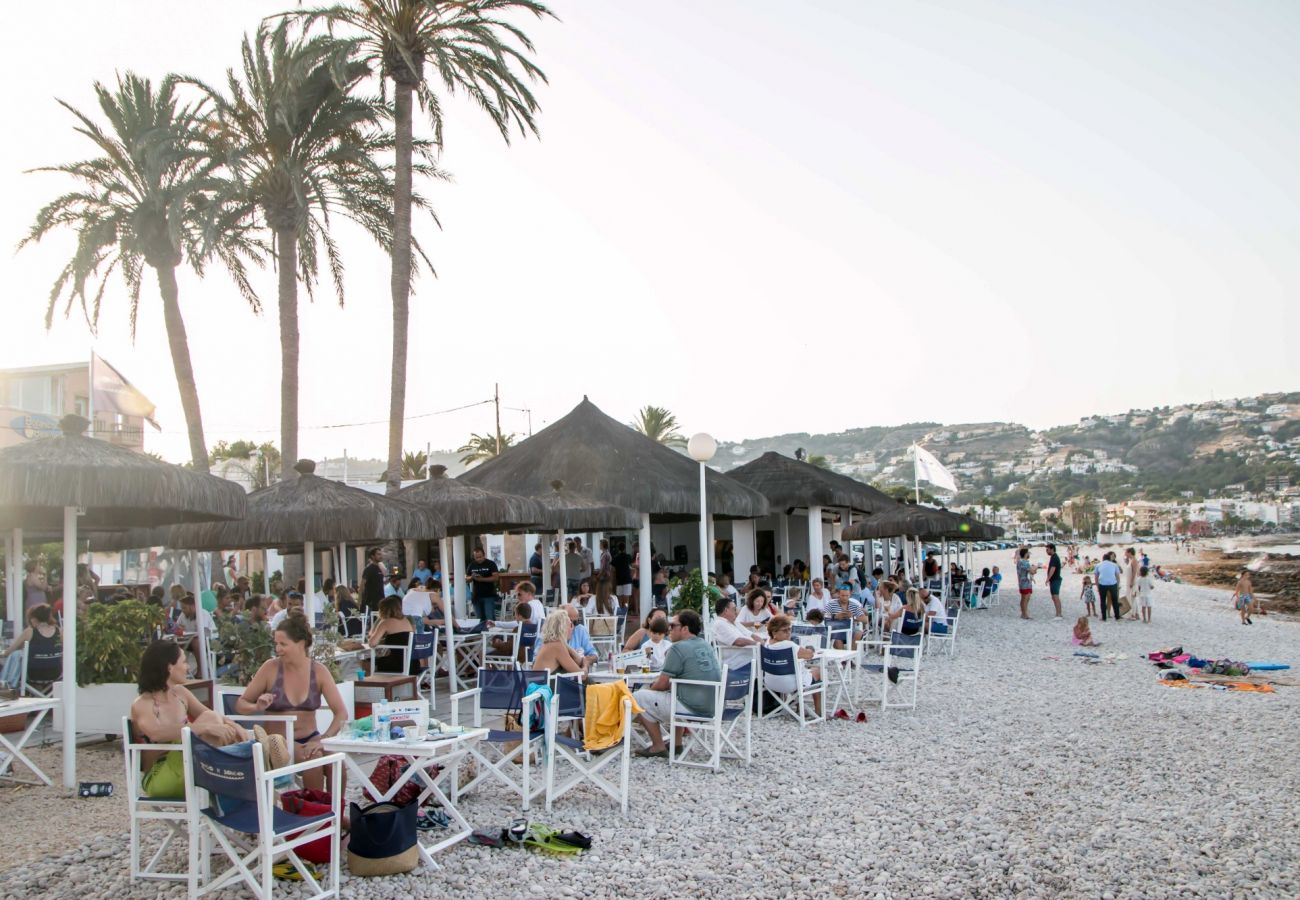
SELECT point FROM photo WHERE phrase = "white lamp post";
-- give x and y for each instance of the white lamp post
(701, 448)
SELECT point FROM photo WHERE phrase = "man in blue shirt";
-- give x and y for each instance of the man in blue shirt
(422, 571)
(580, 640)
(1107, 573)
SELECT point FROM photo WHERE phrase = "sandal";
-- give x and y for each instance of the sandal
(485, 838)
(543, 837)
(431, 819)
(286, 871)
(575, 839)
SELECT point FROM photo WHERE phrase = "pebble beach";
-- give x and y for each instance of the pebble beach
(1024, 771)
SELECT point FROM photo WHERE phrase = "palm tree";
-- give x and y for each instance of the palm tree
(297, 147)
(472, 48)
(141, 202)
(484, 446)
(660, 425)
(414, 465)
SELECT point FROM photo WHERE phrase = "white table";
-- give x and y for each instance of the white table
(11, 750)
(446, 752)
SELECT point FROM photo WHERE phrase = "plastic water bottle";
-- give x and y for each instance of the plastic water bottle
(381, 720)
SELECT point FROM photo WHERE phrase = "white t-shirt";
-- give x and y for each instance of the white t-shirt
(658, 651)
(536, 613)
(278, 618)
(1144, 586)
(784, 684)
(896, 605)
(816, 601)
(730, 591)
(753, 618)
(725, 634)
(936, 607)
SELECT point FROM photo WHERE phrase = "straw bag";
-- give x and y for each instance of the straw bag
(383, 839)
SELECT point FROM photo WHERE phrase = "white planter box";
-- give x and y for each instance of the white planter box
(100, 707)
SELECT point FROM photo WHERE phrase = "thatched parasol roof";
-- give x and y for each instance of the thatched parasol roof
(906, 520)
(603, 459)
(469, 509)
(311, 508)
(117, 487)
(788, 483)
(571, 512)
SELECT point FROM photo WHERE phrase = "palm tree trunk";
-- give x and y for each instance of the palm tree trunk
(180, 348)
(287, 261)
(401, 280)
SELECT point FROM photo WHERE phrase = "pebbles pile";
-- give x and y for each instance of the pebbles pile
(1019, 774)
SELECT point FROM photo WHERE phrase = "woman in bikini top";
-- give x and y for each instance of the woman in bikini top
(269, 691)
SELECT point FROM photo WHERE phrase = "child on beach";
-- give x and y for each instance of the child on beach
(1144, 585)
(1089, 597)
(1083, 634)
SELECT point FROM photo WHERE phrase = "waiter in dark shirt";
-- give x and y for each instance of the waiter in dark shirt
(483, 575)
(372, 583)
(535, 567)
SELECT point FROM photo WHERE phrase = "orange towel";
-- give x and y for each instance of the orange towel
(603, 726)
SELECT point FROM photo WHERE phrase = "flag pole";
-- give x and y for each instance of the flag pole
(916, 478)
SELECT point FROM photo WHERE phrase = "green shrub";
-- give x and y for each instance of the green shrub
(111, 638)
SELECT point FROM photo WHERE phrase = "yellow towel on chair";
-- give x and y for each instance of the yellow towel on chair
(603, 726)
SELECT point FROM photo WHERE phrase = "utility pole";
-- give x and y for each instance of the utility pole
(496, 399)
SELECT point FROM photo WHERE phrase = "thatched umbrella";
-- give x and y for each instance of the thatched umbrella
(790, 483)
(603, 459)
(599, 457)
(55, 481)
(467, 509)
(310, 510)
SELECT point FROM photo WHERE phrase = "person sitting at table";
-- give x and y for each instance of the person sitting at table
(656, 649)
(793, 600)
(293, 672)
(526, 593)
(579, 639)
(502, 646)
(936, 615)
(779, 632)
(817, 596)
(44, 644)
(756, 613)
(642, 634)
(391, 629)
(913, 613)
(602, 602)
(345, 605)
(162, 708)
(555, 654)
(292, 603)
(842, 607)
(192, 618)
(690, 659)
(735, 644)
(583, 596)
(394, 586)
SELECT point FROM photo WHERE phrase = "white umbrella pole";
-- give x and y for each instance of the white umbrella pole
(196, 588)
(462, 573)
(647, 565)
(309, 579)
(69, 647)
(342, 576)
(815, 545)
(448, 614)
(564, 571)
(16, 589)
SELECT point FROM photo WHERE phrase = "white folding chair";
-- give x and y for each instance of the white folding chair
(604, 634)
(778, 663)
(43, 668)
(491, 657)
(254, 832)
(947, 637)
(170, 812)
(505, 755)
(717, 735)
(570, 702)
(903, 655)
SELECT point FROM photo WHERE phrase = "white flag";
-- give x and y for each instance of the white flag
(115, 393)
(928, 468)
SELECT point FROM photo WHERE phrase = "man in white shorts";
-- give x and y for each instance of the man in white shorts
(690, 658)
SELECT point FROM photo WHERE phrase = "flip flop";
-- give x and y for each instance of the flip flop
(286, 871)
(575, 839)
(485, 838)
(647, 753)
(862, 717)
(544, 837)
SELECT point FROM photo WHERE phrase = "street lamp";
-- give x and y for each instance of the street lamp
(701, 448)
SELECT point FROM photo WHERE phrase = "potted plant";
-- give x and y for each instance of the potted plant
(694, 593)
(110, 640)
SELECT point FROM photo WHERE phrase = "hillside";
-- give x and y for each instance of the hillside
(1195, 450)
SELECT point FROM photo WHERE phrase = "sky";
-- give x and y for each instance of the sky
(766, 218)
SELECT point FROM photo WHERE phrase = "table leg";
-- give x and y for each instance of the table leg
(14, 751)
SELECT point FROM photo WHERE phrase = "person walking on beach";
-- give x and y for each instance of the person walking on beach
(1108, 573)
(1243, 597)
(1025, 577)
(1054, 577)
(1131, 576)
